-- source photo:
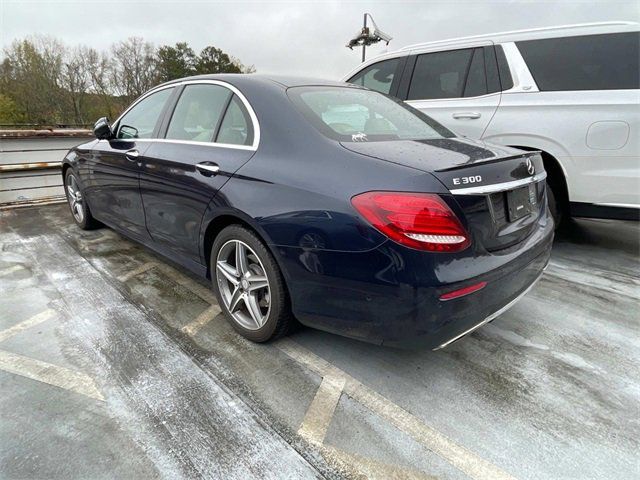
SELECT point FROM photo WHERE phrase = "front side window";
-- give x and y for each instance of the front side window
(355, 115)
(590, 62)
(141, 120)
(440, 75)
(198, 113)
(378, 77)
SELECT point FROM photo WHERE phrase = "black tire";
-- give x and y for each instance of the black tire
(86, 220)
(279, 320)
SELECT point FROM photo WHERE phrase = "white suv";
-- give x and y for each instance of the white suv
(571, 92)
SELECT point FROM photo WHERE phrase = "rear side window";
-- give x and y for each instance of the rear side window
(198, 113)
(590, 62)
(506, 80)
(379, 76)
(476, 83)
(236, 127)
(440, 75)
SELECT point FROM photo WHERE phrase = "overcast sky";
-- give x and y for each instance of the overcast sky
(300, 37)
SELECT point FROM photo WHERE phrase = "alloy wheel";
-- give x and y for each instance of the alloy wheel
(243, 284)
(74, 195)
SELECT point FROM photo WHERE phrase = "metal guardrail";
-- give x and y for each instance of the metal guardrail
(30, 164)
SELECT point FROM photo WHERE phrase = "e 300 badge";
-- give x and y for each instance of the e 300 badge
(467, 180)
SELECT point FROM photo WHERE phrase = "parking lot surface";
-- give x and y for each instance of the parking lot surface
(115, 363)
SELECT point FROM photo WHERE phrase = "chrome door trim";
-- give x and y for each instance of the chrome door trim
(499, 187)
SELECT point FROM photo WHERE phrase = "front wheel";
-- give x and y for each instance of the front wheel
(249, 285)
(77, 202)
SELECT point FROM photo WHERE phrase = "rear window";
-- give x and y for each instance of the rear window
(590, 62)
(358, 115)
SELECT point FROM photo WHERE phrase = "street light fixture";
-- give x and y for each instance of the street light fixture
(366, 36)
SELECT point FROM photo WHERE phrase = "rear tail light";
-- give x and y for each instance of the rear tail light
(418, 220)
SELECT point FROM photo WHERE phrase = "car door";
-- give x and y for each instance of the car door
(460, 88)
(113, 186)
(211, 133)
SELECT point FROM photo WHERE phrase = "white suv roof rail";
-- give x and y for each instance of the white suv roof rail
(522, 34)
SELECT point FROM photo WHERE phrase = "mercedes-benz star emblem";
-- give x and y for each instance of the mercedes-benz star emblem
(531, 168)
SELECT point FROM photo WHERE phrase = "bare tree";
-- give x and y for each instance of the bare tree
(243, 68)
(76, 80)
(134, 67)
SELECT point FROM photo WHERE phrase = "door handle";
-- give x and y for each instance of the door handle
(208, 169)
(132, 155)
(466, 115)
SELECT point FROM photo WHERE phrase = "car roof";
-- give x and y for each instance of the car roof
(537, 33)
(282, 80)
(504, 37)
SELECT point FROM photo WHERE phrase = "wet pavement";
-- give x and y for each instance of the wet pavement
(115, 363)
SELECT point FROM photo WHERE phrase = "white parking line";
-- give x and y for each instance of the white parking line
(28, 323)
(50, 374)
(137, 271)
(9, 270)
(318, 417)
(181, 279)
(205, 293)
(458, 456)
(372, 469)
(202, 319)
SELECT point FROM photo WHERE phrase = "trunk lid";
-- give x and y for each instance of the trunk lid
(500, 190)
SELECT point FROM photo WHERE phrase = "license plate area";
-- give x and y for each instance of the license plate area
(519, 203)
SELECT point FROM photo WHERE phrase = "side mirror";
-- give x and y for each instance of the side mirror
(102, 129)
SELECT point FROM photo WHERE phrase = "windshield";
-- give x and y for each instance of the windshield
(350, 114)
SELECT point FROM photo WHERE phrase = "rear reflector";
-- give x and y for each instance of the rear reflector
(418, 220)
(463, 291)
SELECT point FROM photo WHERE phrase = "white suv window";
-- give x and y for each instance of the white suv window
(590, 62)
(378, 77)
(440, 75)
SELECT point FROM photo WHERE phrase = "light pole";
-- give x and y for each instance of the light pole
(367, 37)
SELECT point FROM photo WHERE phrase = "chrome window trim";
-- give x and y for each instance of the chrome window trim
(499, 187)
(243, 99)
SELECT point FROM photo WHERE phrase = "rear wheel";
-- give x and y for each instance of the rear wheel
(249, 285)
(77, 203)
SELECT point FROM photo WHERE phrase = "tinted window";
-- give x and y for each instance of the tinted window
(476, 80)
(354, 115)
(236, 127)
(141, 120)
(491, 67)
(198, 113)
(378, 77)
(506, 81)
(440, 75)
(591, 62)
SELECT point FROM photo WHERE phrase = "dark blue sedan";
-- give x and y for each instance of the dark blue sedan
(320, 202)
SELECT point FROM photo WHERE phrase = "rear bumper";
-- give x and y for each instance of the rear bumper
(490, 317)
(391, 295)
